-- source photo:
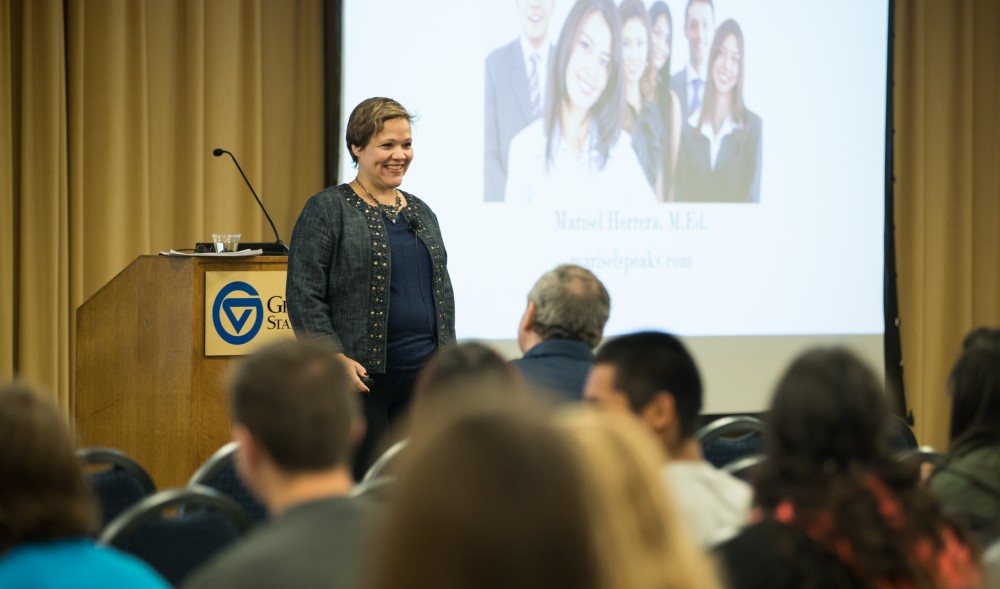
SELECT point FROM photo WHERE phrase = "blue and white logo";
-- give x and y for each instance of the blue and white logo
(238, 310)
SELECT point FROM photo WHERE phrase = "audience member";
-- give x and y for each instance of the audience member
(991, 567)
(982, 336)
(47, 513)
(834, 508)
(642, 541)
(494, 499)
(564, 321)
(968, 483)
(456, 376)
(653, 376)
(296, 417)
(467, 370)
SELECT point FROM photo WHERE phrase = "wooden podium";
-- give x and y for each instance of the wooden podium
(144, 384)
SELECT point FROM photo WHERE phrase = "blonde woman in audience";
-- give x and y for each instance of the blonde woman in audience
(47, 513)
(643, 543)
(494, 499)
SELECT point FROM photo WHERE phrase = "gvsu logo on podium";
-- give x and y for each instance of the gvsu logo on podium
(239, 303)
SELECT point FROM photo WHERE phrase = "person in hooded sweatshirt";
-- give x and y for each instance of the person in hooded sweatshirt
(653, 376)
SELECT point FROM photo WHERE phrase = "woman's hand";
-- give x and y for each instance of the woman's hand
(356, 372)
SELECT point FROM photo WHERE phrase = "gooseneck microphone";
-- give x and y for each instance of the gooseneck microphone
(218, 151)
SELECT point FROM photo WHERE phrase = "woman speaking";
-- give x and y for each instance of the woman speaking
(368, 271)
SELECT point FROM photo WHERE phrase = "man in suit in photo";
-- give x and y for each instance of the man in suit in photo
(516, 76)
(689, 83)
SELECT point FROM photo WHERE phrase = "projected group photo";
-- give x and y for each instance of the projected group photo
(587, 104)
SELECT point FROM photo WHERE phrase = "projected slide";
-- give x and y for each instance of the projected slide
(720, 166)
(598, 111)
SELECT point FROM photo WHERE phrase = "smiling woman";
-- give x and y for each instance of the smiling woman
(375, 287)
(642, 117)
(578, 151)
(720, 157)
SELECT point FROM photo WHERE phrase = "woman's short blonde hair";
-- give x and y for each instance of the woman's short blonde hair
(640, 536)
(368, 118)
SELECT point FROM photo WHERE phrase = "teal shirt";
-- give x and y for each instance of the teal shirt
(75, 564)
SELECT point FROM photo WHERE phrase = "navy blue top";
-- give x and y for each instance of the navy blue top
(558, 365)
(411, 338)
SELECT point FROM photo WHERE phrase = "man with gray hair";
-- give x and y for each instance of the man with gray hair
(563, 323)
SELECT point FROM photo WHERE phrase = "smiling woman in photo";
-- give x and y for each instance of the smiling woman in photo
(720, 155)
(669, 105)
(642, 116)
(578, 151)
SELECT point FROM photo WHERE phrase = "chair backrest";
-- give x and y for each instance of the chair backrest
(176, 544)
(120, 482)
(923, 455)
(377, 490)
(219, 473)
(902, 437)
(375, 470)
(727, 439)
(743, 467)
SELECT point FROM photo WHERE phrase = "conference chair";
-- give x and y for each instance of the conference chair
(177, 530)
(901, 437)
(376, 470)
(730, 438)
(742, 468)
(117, 481)
(219, 473)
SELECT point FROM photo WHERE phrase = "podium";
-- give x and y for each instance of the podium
(144, 384)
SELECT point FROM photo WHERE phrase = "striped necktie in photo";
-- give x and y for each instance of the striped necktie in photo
(534, 90)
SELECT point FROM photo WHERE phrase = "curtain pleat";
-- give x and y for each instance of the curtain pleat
(109, 112)
(9, 164)
(947, 185)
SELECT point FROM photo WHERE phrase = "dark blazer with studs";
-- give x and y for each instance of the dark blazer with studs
(338, 274)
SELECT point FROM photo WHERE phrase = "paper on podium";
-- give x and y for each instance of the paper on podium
(236, 254)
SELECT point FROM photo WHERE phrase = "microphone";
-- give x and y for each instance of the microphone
(414, 224)
(279, 247)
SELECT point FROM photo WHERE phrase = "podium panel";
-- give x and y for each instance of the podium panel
(144, 383)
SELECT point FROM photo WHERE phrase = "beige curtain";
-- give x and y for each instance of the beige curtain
(109, 111)
(947, 194)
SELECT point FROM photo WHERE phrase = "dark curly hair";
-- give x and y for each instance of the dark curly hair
(828, 456)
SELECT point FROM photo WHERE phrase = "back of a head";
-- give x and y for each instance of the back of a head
(494, 499)
(982, 337)
(974, 383)
(570, 303)
(829, 474)
(641, 538)
(43, 493)
(650, 362)
(296, 400)
(828, 414)
(467, 371)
